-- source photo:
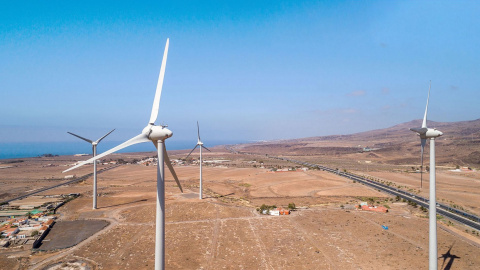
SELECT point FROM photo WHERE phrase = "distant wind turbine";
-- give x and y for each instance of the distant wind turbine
(199, 143)
(430, 133)
(158, 135)
(94, 150)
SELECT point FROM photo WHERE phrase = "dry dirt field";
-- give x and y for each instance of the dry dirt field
(224, 231)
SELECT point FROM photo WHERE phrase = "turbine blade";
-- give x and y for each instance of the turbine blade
(422, 143)
(158, 92)
(191, 151)
(170, 167)
(99, 140)
(206, 148)
(80, 137)
(198, 131)
(424, 124)
(137, 139)
(420, 131)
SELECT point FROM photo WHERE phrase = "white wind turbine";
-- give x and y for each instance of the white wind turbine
(430, 133)
(94, 150)
(158, 135)
(199, 143)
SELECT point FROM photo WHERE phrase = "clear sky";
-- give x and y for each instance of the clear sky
(246, 70)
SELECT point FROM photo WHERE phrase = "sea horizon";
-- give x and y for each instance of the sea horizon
(13, 150)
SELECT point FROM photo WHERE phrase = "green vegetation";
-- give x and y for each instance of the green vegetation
(121, 161)
(414, 204)
(292, 206)
(457, 207)
(266, 207)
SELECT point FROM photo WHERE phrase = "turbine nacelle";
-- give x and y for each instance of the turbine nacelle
(157, 133)
(433, 133)
(427, 133)
(199, 143)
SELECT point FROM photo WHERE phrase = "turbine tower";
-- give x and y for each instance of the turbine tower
(430, 133)
(158, 135)
(199, 143)
(94, 150)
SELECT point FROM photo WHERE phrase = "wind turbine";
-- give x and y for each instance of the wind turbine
(430, 133)
(199, 143)
(94, 150)
(158, 135)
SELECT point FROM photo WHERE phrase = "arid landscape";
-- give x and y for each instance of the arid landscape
(225, 230)
(239, 135)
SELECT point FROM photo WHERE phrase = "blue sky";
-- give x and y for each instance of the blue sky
(246, 70)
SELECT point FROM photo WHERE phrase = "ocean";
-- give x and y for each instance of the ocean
(35, 149)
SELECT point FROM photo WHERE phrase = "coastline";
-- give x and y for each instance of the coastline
(35, 149)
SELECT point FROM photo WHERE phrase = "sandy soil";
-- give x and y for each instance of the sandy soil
(224, 231)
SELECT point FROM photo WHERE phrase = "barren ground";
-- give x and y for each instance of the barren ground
(224, 231)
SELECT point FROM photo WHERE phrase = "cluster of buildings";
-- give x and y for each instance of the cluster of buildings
(364, 206)
(153, 161)
(276, 212)
(148, 162)
(25, 230)
(27, 221)
(275, 170)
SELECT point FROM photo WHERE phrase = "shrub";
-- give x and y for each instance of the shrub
(292, 206)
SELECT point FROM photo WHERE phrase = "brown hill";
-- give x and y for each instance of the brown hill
(460, 144)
